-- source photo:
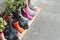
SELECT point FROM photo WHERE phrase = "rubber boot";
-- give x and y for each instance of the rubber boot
(23, 18)
(2, 36)
(22, 24)
(31, 13)
(25, 13)
(12, 30)
(9, 31)
(17, 27)
(32, 6)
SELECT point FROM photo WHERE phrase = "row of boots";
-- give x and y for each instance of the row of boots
(14, 20)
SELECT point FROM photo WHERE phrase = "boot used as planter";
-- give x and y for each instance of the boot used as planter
(31, 13)
(22, 24)
(32, 6)
(25, 13)
(24, 19)
(2, 36)
(17, 27)
(8, 35)
(9, 31)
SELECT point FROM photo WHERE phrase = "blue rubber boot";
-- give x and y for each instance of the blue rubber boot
(32, 5)
(9, 31)
(24, 18)
(12, 30)
(31, 13)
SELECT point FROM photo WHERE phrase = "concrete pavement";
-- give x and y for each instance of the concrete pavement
(47, 24)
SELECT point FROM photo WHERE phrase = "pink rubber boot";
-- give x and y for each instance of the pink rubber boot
(25, 13)
(2, 36)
